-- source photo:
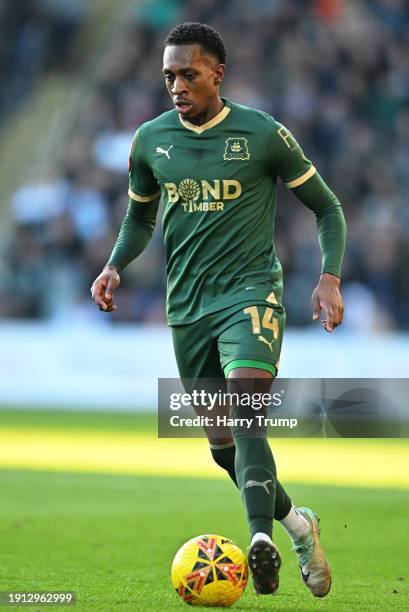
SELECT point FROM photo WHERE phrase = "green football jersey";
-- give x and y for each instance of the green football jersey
(218, 187)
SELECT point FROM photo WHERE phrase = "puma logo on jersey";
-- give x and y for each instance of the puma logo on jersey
(163, 151)
(256, 483)
(270, 344)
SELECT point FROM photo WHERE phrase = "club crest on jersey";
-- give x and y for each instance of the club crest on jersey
(236, 148)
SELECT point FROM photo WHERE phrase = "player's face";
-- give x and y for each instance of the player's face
(192, 80)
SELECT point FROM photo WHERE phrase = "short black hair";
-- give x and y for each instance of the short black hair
(191, 33)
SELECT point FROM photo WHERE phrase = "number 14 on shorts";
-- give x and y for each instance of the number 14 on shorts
(267, 322)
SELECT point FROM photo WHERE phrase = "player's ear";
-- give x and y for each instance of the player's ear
(219, 73)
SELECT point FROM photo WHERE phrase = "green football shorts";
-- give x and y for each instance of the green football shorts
(246, 335)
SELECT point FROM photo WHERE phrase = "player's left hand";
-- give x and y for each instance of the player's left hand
(326, 298)
(103, 289)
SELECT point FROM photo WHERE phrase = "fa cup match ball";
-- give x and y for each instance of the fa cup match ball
(209, 570)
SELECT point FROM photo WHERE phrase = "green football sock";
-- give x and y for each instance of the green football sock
(283, 502)
(256, 477)
(224, 456)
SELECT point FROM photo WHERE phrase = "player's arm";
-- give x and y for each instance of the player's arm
(136, 228)
(319, 198)
(301, 176)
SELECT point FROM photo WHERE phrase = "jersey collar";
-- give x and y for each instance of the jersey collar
(206, 126)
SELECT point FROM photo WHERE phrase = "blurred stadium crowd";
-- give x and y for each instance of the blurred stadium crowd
(336, 72)
(35, 36)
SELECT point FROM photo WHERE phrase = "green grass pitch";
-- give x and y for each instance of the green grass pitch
(111, 539)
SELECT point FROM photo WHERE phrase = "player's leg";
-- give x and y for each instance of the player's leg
(235, 333)
(252, 336)
(197, 358)
(297, 526)
(224, 454)
(256, 475)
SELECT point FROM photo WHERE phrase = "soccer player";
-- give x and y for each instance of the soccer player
(215, 165)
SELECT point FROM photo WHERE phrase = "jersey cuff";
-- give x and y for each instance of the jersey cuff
(140, 198)
(302, 179)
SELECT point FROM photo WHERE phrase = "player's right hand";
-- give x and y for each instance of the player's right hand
(103, 288)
